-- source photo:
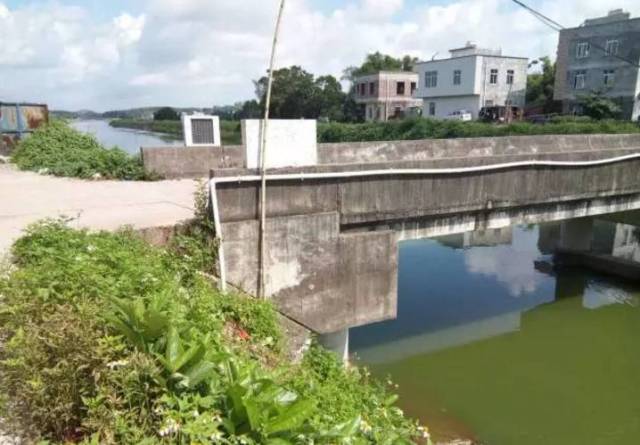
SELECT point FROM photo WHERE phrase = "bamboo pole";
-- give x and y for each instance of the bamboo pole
(263, 151)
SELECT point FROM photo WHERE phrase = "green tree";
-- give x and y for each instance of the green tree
(376, 62)
(597, 106)
(166, 114)
(330, 98)
(249, 109)
(540, 86)
(297, 94)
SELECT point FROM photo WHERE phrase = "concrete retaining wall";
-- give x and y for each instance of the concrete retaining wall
(190, 162)
(183, 162)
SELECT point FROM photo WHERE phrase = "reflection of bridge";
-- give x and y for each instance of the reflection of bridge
(332, 229)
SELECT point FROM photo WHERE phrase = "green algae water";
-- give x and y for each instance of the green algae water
(493, 343)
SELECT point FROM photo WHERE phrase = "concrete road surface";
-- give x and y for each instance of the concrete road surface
(27, 197)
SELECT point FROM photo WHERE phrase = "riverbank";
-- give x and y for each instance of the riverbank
(153, 353)
(230, 130)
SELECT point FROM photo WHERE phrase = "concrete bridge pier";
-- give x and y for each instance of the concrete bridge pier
(337, 342)
(576, 234)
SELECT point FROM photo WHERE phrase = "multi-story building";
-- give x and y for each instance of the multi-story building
(387, 94)
(601, 55)
(470, 79)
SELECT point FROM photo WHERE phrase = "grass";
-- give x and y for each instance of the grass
(110, 340)
(60, 150)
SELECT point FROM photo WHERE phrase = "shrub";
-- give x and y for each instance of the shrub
(166, 114)
(423, 128)
(60, 150)
(110, 340)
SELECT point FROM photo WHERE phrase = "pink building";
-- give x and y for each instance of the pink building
(387, 94)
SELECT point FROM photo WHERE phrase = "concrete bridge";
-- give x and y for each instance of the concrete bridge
(332, 229)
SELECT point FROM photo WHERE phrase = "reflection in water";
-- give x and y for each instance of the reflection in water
(128, 140)
(490, 335)
(509, 264)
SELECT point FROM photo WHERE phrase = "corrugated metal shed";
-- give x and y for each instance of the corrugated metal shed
(18, 120)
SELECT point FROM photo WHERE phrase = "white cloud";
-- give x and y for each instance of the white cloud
(203, 52)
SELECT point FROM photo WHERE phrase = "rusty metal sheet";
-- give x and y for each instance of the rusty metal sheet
(18, 120)
(22, 118)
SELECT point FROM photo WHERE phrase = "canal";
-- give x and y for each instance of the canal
(496, 344)
(128, 140)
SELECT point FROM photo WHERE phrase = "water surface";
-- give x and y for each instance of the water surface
(494, 344)
(127, 139)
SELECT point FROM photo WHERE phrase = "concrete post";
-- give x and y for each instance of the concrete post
(576, 234)
(337, 342)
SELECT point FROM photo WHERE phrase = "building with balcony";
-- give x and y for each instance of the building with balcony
(601, 55)
(387, 94)
(470, 79)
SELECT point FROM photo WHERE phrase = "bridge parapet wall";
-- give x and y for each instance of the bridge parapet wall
(430, 149)
(389, 195)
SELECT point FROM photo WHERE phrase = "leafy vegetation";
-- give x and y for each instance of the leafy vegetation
(597, 105)
(421, 128)
(375, 62)
(229, 130)
(540, 87)
(58, 149)
(299, 94)
(110, 340)
(166, 114)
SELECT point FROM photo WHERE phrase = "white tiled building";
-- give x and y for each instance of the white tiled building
(470, 79)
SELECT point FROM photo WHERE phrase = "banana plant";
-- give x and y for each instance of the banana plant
(261, 408)
(186, 363)
(140, 323)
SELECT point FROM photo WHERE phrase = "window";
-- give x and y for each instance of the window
(493, 78)
(372, 88)
(457, 77)
(582, 50)
(414, 86)
(488, 103)
(611, 48)
(579, 80)
(609, 77)
(432, 108)
(431, 79)
(363, 89)
(510, 76)
(400, 88)
(370, 113)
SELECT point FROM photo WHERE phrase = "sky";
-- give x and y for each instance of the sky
(113, 54)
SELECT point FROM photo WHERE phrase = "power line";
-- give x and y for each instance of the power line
(543, 18)
(558, 27)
